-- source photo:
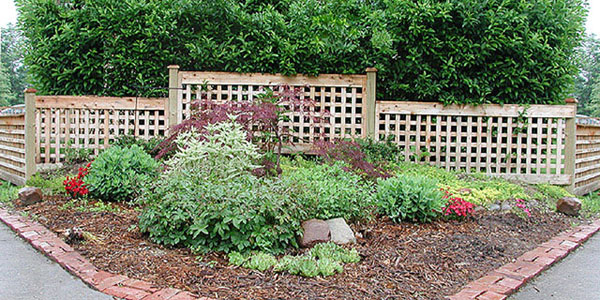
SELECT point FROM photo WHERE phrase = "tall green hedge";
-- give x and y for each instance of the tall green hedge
(455, 51)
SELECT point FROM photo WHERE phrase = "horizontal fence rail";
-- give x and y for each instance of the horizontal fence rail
(66, 123)
(587, 170)
(512, 141)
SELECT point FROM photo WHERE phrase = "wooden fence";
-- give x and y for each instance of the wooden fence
(66, 123)
(587, 176)
(12, 148)
(534, 143)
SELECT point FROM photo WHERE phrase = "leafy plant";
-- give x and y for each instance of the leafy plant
(150, 146)
(328, 191)
(51, 186)
(8, 192)
(409, 198)
(324, 259)
(260, 261)
(381, 151)
(75, 155)
(456, 207)
(75, 186)
(117, 173)
(240, 214)
(334, 252)
(350, 153)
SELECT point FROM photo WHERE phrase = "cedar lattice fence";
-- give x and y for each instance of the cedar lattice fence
(534, 143)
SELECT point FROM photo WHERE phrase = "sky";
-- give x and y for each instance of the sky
(8, 14)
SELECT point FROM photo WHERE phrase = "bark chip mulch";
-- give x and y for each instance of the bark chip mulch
(400, 261)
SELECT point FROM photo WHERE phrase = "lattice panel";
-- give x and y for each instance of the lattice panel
(341, 96)
(93, 123)
(587, 171)
(497, 140)
(12, 148)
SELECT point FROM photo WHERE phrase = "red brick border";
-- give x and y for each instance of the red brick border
(111, 284)
(502, 282)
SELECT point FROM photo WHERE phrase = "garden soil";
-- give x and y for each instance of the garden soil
(399, 261)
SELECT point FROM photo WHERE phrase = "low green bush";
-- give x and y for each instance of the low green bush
(328, 191)
(240, 214)
(381, 151)
(409, 198)
(324, 259)
(8, 192)
(150, 146)
(207, 199)
(52, 186)
(118, 173)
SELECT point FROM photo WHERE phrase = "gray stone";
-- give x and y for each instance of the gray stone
(506, 206)
(341, 233)
(313, 232)
(569, 206)
(29, 195)
(494, 207)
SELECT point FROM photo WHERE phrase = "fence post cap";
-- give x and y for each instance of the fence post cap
(372, 69)
(173, 67)
(30, 91)
(571, 100)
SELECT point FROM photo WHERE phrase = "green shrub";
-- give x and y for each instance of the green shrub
(324, 259)
(8, 192)
(590, 205)
(150, 146)
(409, 198)
(75, 155)
(552, 191)
(118, 173)
(207, 198)
(52, 186)
(328, 191)
(240, 214)
(381, 151)
(334, 252)
(223, 154)
(456, 51)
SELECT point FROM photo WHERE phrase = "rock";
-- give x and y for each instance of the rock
(494, 207)
(506, 206)
(29, 195)
(569, 206)
(313, 232)
(340, 231)
(478, 209)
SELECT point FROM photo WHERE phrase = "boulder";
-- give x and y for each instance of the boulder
(569, 206)
(341, 233)
(313, 232)
(494, 207)
(29, 195)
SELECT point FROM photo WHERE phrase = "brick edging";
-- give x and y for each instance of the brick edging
(115, 285)
(504, 281)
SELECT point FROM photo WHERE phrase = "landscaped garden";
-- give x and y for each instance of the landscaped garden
(216, 209)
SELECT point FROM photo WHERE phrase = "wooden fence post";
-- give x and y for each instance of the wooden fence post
(173, 92)
(570, 145)
(30, 133)
(371, 97)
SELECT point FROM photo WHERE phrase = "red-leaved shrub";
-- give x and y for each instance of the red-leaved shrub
(350, 153)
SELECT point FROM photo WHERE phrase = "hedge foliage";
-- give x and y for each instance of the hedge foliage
(455, 51)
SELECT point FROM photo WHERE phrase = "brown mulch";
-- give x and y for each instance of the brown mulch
(400, 261)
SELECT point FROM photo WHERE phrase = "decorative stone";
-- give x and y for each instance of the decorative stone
(569, 206)
(506, 206)
(29, 195)
(313, 232)
(341, 233)
(494, 207)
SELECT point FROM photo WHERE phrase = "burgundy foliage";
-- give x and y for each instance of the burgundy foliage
(350, 153)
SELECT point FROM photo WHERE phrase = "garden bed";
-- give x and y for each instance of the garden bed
(400, 261)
